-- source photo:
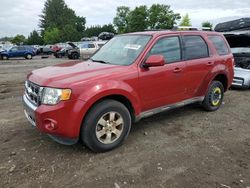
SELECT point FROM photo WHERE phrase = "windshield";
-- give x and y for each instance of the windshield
(122, 50)
(240, 50)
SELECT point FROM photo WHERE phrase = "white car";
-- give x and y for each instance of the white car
(87, 49)
(239, 42)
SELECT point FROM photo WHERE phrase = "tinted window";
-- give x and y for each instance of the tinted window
(14, 49)
(219, 44)
(100, 45)
(21, 48)
(91, 46)
(168, 47)
(194, 47)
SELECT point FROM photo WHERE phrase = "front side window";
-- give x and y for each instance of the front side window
(14, 49)
(195, 47)
(219, 44)
(169, 47)
(122, 50)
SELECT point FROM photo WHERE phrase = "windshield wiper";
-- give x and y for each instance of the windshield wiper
(99, 61)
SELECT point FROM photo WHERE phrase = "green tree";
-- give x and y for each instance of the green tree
(69, 33)
(162, 17)
(121, 19)
(207, 24)
(186, 21)
(18, 39)
(56, 14)
(138, 19)
(34, 38)
(52, 36)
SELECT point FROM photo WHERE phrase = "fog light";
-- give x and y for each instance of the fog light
(50, 124)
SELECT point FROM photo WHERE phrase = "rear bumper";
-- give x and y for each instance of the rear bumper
(240, 83)
(62, 121)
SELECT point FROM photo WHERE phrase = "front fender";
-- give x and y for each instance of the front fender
(109, 88)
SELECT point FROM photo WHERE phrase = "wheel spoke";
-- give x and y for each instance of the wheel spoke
(102, 122)
(100, 133)
(119, 121)
(108, 137)
(117, 132)
(111, 116)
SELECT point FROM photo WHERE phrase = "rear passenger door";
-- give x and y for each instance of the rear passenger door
(198, 61)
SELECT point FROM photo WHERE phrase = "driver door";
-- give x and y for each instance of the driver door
(13, 52)
(164, 85)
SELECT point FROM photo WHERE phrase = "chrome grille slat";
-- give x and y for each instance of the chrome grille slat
(33, 92)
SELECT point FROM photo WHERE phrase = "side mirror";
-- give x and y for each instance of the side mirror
(154, 61)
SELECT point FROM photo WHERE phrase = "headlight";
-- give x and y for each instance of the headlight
(52, 96)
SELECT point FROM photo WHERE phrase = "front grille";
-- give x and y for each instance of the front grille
(33, 92)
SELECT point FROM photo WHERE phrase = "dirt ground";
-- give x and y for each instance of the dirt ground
(183, 148)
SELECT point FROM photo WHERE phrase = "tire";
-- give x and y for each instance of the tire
(214, 96)
(98, 131)
(28, 56)
(4, 57)
(75, 56)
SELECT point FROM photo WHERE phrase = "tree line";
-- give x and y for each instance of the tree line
(59, 23)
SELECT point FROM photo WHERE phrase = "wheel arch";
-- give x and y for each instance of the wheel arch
(223, 79)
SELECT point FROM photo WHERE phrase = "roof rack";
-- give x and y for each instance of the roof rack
(188, 28)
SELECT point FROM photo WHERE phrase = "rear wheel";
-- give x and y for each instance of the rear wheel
(28, 56)
(106, 126)
(214, 96)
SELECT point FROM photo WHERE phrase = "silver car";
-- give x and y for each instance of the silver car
(87, 49)
(240, 46)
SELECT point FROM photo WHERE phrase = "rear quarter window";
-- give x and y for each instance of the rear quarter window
(219, 44)
(195, 47)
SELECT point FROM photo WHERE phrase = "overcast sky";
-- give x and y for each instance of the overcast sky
(22, 16)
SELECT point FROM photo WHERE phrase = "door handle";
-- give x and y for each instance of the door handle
(177, 70)
(210, 63)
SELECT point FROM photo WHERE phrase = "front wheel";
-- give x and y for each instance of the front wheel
(75, 56)
(5, 57)
(214, 96)
(106, 126)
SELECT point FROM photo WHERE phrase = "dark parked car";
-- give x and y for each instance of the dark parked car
(106, 35)
(63, 52)
(18, 51)
(45, 51)
(74, 53)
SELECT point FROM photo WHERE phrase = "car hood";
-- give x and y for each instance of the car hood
(68, 74)
(241, 73)
(72, 44)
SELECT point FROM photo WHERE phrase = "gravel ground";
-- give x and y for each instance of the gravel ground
(186, 147)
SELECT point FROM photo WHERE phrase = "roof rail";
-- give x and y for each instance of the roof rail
(188, 28)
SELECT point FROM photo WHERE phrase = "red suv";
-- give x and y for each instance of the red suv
(131, 77)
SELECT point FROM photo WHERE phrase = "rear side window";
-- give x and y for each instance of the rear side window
(91, 46)
(195, 47)
(219, 44)
(169, 47)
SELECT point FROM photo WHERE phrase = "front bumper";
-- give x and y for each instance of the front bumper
(62, 122)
